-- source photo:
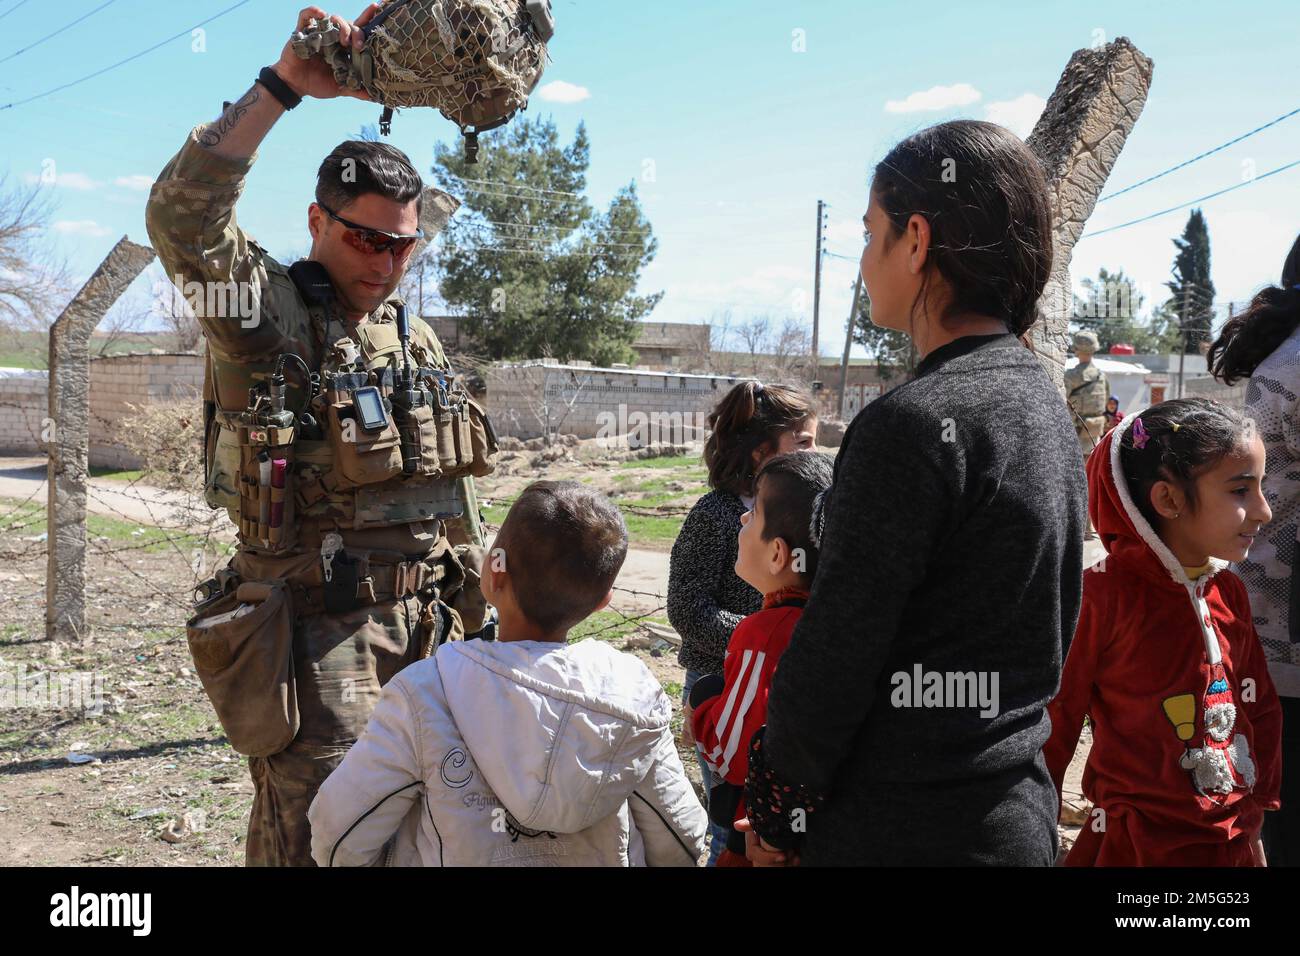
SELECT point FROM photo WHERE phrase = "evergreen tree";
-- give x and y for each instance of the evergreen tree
(1110, 307)
(533, 268)
(892, 350)
(1191, 293)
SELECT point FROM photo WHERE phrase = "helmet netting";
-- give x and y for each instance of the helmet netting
(475, 61)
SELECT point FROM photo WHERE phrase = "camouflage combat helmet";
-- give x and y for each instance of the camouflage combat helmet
(475, 61)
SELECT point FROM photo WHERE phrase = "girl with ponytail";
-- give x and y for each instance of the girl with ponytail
(953, 545)
(706, 599)
(1263, 344)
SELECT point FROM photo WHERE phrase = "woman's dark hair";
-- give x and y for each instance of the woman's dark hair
(788, 486)
(1206, 432)
(1254, 335)
(985, 197)
(749, 415)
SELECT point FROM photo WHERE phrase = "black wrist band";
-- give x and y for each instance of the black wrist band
(278, 88)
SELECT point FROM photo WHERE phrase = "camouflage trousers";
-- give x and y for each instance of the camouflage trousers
(1090, 435)
(341, 662)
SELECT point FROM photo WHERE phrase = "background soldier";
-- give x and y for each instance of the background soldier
(338, 448)
(1086, 389)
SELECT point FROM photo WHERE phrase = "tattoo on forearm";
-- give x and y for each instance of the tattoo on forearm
(217, 131)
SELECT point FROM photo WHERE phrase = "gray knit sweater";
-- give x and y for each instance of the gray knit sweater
(705, 598)
(953, 545)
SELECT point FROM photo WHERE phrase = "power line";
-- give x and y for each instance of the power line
(1193, 202)
(134, 56)
(536, 189)
(543, 200)
(1208, 152)
(537, 240)
(12, 9)
(543, 225)
(50, 36)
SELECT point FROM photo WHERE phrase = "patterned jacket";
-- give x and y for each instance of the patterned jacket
(1273, 401)
(706, 600)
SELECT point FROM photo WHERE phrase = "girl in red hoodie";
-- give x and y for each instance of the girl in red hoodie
(1165, 663)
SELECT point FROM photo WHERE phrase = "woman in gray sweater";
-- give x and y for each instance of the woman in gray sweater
(907, 717)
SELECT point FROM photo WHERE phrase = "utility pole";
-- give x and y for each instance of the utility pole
(817, 289)
(848, 342)
(1182, 354)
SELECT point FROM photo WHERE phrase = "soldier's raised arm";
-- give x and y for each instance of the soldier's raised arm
(190, 215)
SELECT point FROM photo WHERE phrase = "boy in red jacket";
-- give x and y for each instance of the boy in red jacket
(777, 555)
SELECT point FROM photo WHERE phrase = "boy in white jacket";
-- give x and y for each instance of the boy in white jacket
(526, 751)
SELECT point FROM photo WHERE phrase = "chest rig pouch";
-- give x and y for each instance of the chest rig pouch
(265, 432)
(392, 413)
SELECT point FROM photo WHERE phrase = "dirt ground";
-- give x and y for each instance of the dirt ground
(148, 778)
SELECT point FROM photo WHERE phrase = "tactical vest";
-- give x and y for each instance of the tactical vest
(309, 422)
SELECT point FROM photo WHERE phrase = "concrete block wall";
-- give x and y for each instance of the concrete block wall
(1211, 388)
(524, 400)
(116, 383)
(24, 405)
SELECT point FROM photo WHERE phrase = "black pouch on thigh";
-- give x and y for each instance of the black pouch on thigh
(340, 591)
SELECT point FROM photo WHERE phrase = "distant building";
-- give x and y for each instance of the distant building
(450, 332)
(1142, 380)
(671, 345)
(659, 345)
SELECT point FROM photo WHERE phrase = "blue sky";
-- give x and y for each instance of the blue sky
(733, 117)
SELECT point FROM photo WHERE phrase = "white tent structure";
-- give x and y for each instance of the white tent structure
(1127, 382)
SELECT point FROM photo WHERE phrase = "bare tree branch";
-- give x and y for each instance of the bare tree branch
(33, 278)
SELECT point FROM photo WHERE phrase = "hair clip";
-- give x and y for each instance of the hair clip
(758, 389)
(1175, 426)
(1140, 436)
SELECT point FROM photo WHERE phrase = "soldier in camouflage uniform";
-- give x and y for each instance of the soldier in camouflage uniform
(1087, 390)
(365, 556)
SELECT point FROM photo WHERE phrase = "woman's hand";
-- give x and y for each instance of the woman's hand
(687, 737)
(761, 854)
(315, 77)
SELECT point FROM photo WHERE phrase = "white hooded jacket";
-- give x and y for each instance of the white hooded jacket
(523, 753)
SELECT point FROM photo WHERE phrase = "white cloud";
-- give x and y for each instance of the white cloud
(935, 98)
(1018, 115)
(557, 91)
(81, 227)
(67, 181)
(846, 233)
(137, 181)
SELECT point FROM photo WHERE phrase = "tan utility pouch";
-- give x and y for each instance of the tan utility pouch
(361, 457)
(479, 440)
(426, 433)
(242, 645)
(266, 513)
(468, 600)
(445, 420)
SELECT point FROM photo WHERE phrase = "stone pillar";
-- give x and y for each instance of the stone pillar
(1078, 138)
(68, 439)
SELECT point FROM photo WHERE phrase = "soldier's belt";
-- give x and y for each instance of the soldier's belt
(370, 577)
